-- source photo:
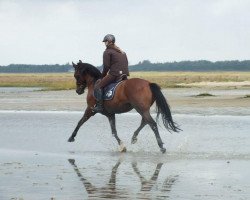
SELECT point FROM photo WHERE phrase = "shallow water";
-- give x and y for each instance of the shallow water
(116, 176)
(49, 131)
(210, 159)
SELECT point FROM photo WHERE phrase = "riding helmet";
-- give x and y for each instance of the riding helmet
(109, 38)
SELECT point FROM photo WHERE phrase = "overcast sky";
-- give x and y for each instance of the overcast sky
(60, 31)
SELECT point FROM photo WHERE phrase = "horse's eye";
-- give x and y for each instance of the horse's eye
(77, 78)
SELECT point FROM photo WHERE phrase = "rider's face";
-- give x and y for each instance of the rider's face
(106, 43)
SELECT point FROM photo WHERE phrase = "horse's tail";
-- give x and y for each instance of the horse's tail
(163, 108)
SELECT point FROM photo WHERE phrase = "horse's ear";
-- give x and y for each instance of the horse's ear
(80, 61)
(74, 65)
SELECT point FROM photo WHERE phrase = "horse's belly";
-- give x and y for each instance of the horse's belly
(119, 109)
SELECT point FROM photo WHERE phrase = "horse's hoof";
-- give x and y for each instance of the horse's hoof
(163, 150)
(134, 140)
(71, 139)
(122, 148)
(72, 161)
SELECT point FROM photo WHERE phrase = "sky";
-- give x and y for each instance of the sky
(61, 31)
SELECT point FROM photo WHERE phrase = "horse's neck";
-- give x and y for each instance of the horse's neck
(91, 87)
(91, 84)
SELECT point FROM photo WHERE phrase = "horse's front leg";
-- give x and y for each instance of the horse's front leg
(114, 132)
(87, 114)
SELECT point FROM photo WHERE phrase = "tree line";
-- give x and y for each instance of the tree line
(146, 65)
(23, 68)
(200, 65)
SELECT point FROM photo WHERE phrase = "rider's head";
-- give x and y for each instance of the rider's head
(109, 39)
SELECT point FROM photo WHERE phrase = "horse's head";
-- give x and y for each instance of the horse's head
(80, 76)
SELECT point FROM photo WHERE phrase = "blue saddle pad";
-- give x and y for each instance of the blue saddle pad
(109, 91)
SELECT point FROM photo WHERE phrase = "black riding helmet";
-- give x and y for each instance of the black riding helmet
(109, 38)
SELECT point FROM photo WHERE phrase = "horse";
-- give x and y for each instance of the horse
(134, 93)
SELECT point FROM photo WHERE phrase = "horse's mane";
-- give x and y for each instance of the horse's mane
(90, 69)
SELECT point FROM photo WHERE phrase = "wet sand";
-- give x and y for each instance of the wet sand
(210, 159)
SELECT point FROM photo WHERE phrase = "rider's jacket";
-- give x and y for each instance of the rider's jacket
(115, 62)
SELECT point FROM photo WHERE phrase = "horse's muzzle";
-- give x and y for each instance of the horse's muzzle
(80, 89)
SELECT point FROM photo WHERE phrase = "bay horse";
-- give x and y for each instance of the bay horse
(130, 94)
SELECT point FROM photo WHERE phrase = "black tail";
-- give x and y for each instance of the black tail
(163, 108)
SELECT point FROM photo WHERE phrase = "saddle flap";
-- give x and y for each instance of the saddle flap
(109, 91)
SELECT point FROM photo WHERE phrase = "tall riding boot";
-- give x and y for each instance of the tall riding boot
(99, 100)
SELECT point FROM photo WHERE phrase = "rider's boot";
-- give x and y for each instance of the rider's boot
(99, 101)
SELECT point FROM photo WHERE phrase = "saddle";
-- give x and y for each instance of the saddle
(109, 90)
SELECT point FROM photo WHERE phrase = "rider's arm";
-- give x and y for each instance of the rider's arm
(106, 63)
(127, 64)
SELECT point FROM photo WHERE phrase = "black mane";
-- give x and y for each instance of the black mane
(90, 69)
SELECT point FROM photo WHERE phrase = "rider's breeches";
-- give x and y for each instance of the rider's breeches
(105, 81)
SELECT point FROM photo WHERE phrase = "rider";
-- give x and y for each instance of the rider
(115, 68)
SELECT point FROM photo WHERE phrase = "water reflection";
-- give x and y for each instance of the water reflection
(146, 185)
(110, 190)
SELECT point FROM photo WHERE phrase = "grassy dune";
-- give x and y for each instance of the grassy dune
(65, 81)
(171, 79)
(54, 81)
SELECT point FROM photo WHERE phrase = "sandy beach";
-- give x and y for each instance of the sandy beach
(181, 100)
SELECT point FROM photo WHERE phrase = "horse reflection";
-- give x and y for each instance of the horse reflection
(111, 192)
(108, 192)
(147, 185)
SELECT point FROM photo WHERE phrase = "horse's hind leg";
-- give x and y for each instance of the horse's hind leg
(114, 132)
(134, 138)
(147, 117)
